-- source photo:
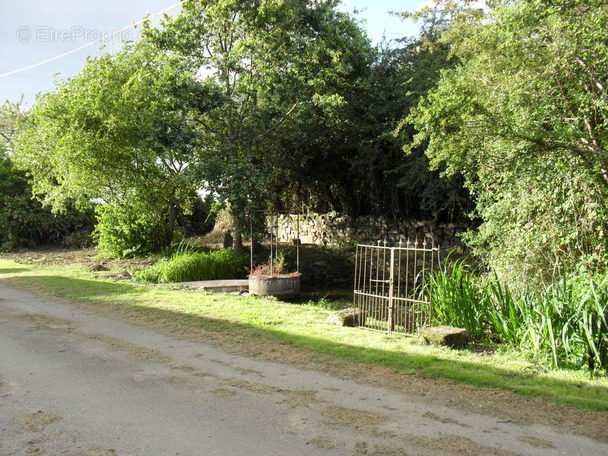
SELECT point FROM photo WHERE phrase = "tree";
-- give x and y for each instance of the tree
(312, 109)
(276, 63)
(406, 71)
(10, 116)
(23, 221)
(312, 151)
(344, 156)
(523, 119)
(120, 132)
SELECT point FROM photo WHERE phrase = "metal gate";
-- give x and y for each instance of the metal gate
(392, 288)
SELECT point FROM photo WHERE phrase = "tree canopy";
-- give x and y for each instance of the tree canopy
(263, 103)
(122, 132)
(277, 64)
(23, 220)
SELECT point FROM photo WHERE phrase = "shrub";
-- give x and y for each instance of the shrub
(127, 230)
(24, 222)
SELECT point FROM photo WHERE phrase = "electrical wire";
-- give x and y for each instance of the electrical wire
(92, 43)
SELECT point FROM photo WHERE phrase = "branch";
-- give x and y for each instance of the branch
(206, 125)
(275, 126)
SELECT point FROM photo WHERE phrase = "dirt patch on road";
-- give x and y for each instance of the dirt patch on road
(456, 444)
(537, 443)
(98, 453)
(136, 352)
(356, 419)
(48, 323)
(45, 322)
(36, 421)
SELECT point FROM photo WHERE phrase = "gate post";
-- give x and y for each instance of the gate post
(391, 292)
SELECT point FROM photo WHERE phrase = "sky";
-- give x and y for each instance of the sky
(34, 31)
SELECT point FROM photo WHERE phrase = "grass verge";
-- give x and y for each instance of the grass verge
(259, 326)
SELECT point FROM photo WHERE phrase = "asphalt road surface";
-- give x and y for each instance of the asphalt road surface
(73, 383)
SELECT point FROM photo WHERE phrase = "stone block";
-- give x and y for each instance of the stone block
(444, 335)
(347, 317)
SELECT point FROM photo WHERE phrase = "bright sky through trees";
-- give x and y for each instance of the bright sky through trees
(33, 31)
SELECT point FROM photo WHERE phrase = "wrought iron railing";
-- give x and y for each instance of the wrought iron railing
(392, 290)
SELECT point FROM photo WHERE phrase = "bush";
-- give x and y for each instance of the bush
(190, 266)
(128, 230)
(200, 219)
(24, 222)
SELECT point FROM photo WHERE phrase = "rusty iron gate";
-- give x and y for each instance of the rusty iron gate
(392, 289)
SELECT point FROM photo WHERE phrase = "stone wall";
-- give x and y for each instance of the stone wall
(334, 229)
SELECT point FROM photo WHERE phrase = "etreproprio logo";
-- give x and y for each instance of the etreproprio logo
(46, 34)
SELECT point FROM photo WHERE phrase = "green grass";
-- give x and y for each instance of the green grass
(251, 322)
(188, 266)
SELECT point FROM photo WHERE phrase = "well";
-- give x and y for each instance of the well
(282, 286)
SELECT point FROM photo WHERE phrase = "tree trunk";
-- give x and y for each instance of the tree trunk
(237, 243)
(169, 226)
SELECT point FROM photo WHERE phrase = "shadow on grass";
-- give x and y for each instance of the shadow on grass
(13, 270)
(82, 288)
(122, 297)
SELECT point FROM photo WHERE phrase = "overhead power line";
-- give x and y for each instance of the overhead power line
(92, 43)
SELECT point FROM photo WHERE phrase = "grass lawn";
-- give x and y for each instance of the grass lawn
(258, 327)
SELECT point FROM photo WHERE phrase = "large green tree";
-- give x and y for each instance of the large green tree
(23, 220)
(312, 109)
(345, 157)
(523, 118)
(121, 132)
(10, 116)
(277, 63)
(406, 71)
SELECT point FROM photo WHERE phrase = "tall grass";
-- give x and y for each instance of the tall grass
(187, 265)
(458, 301)
(563, 324)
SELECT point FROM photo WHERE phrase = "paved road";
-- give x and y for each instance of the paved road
(78, 384)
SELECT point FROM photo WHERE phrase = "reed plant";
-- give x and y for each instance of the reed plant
(562, 324)
(565, 321)
(187, 265)
(458, 300)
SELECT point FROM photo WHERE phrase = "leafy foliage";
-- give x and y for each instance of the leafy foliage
(310, 109)
(260, 55)
(523, 119)
(122, 132)
(128, 230)
(132, 229)
(339, 153)
(268, 104)
(23, 221)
